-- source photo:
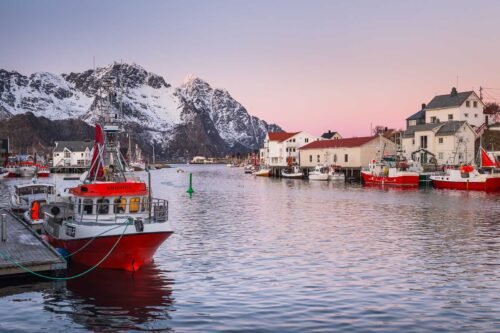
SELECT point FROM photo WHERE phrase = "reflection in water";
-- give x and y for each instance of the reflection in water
(115, 300)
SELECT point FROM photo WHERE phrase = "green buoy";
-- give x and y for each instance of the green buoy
(190, 189)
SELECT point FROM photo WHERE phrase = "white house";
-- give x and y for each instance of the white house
(282, 147)
(347, 153)
(72, 153)
(463, 106)
(451, 142)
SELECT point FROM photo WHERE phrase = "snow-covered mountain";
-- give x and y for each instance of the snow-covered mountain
(180, 122)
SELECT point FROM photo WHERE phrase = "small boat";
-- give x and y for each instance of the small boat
(27, 169)
(24, 195)
(248, 169)
(293, 172)
(335, 175)
(319, 173)
(387, 172)
(262, 172)
(42, 171)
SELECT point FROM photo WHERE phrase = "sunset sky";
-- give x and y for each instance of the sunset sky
(305, 65)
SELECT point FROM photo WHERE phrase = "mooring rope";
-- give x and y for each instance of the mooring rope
(26, 269)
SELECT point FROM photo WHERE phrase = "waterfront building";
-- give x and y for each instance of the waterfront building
(456, 106)
(451, 142)
(72, 154)
(283, 147)
(346, 153)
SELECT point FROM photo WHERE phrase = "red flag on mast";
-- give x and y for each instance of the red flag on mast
(486, 160)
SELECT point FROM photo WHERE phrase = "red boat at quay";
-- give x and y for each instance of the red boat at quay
(390, 174)
(110, 220)
(468, 178)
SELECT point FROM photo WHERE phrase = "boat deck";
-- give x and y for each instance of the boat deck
(26, 247)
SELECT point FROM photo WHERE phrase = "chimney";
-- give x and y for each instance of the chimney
(423, 106)
(454, 92)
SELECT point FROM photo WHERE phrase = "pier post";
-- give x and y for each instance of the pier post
(4, 228)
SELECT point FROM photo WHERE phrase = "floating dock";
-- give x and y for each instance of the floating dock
(20, 244)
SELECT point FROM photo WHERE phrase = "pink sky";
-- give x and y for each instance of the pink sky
(305, 65)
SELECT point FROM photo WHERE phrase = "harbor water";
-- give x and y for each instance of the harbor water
(254, 254)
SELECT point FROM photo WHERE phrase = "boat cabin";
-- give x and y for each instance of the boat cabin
(32, 189)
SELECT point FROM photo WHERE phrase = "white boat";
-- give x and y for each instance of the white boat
(318, 173)
(293, 172)
(335, 175)
(249, 169)
(28, 201)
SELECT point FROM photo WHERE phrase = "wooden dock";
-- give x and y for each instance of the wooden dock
(24, 246)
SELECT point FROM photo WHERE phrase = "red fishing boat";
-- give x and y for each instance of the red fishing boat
(389, 173)
(468, 178)
(110, 220)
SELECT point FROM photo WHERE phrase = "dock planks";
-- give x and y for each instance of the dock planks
(26, 247)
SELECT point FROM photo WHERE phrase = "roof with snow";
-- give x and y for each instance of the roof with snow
(73, 145)
(280, 136)
(453, 99)
(339, 143)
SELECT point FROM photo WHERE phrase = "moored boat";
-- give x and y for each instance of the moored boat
(319, 173)
(262, 172)
(389, 173)
(334, 174)
(467, 178)
(292, 172)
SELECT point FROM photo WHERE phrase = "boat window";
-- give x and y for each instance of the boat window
(145, 203)
(134, 205)
(88, 206)
(119, 205)
(102, 206)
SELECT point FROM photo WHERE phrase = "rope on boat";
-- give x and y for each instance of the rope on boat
(26, 269)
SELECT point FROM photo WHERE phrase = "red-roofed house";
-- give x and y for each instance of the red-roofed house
(348, 153)
(279, 146)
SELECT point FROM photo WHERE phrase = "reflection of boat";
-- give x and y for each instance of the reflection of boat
(318, 173)
(112, 300)
(110, 220)
(262, 172)
(292, 172)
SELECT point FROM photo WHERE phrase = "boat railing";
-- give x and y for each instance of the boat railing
(108, 212)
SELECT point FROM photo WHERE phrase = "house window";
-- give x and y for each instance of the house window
(433, 120)
(67, 154)
(466, 115)
(306, 140)
(335, 158)
(293, 140)
(80, 162)
(467, 104)
(440, 156)
(293, 150)
(318, 158)
(413, 141)
(440, 140)
(450, 117)
(310, 158)
(475, 115)
(475, 104)
(460, 156)
(412, 122)
(346, 158)
(81, 155)
(460, 139)
(423, 141)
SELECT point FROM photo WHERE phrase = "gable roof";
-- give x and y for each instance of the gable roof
(416, 116)
(410, 131)
(448, 100)
(328, 135)
(280, 136)
(449, 127)
(339, 143)
(73, 145)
